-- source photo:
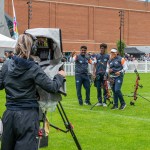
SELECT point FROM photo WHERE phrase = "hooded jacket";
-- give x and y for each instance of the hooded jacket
(19, 77)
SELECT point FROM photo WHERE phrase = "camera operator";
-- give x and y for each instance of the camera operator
(19, 77)
(81, 74)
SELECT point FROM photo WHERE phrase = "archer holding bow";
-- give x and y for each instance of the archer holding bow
(116, 68)
(99, 72)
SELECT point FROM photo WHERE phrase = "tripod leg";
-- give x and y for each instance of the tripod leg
(39, 142)
(75, 139)
(110, 102)
(94, 105)
(40, 134)
(143, 97)
(68, 125)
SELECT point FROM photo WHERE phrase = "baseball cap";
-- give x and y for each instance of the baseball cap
(113, 50)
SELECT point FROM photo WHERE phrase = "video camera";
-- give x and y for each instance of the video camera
(49, 56)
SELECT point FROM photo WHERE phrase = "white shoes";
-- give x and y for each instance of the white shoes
(101, 104)
(104, 105)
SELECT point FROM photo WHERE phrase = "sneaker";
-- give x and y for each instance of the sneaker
(87, 103)
(122, 107)
(114, 107)
(80, 103)
(99, 104)
(104, 105)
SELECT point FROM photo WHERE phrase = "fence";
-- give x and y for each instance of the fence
(142, 67)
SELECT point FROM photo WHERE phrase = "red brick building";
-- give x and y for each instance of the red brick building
(88, 22)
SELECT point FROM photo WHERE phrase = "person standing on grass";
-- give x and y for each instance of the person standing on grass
(99, 72)
(116, 69)
(82, 74)
(19, 77)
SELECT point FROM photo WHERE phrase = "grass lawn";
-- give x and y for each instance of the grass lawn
(102, 128)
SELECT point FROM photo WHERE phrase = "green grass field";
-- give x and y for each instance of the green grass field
(102, 128)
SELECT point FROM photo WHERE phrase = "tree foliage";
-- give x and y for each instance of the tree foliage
(121, 48)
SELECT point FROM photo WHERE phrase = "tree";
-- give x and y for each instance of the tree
(121, 46)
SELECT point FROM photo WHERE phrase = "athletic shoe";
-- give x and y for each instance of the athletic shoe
(80, 103)
(114, 107)
(122, 107)
(99, 104)
(104, 105)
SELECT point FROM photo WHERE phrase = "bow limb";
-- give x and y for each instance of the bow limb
(108, 94)
(135, 87)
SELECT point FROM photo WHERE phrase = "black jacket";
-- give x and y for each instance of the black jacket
(19, 77)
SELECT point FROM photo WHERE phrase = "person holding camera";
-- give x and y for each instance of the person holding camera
(19, 77)
(116, 69)
(82, 74)
(99, 72)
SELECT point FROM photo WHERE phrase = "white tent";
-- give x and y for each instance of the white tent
(6, 42)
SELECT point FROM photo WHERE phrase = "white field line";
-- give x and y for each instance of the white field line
(66, 98)
(104, 113)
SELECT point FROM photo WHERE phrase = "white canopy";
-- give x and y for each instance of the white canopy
(6, 42)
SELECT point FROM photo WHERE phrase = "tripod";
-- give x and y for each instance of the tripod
(132, 102)
(110, 102)
(136, 88)
(69, 127)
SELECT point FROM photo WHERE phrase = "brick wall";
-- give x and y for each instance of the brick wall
(87, 22)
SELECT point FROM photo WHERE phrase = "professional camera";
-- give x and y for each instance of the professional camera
(47, 52)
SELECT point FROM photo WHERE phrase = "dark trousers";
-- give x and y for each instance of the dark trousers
(82, 79)
(116, 88)
(20, 130)
(99, 86)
